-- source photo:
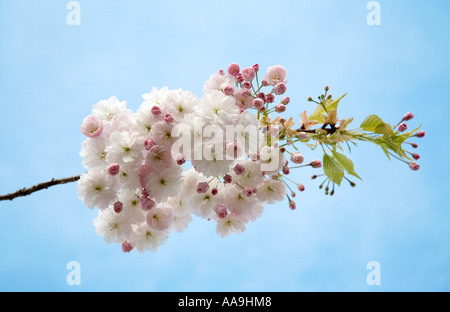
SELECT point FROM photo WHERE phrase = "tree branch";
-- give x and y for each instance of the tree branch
(38, 187)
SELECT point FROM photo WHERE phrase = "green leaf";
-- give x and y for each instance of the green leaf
(384, 128)
(332, 169)
(319, 112)
(407, 135)
(371, 123)
(386, 142)
(345, 162)
(383, 146)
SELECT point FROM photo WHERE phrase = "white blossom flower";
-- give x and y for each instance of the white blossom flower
(203, 204)
(128, 178)
(214, 160)
(248, 133)
(230, 224)
(165, 183)
(218, 82)
(180, 204)
(93, 153)
(113, 227)
(145, 119)
(109, 111)
(218, 108)
(132, 209)
(271, 191)
(96, 188)
(161, 133)
(271, 160)
(146, 238)
(125, 148)
(252, 177)
(180, 223)
(160, 218)
(155, 96)
(239, 204)
(179, 103)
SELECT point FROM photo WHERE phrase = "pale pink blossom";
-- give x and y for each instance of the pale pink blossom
(276, 74)
(297, 158)
(248, 74)
(92, 126)
(233, 69)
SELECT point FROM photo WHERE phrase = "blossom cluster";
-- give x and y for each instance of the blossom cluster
(146, 186)
(221, 157)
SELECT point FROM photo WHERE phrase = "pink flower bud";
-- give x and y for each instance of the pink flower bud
(256, 67)
(270, 98)
(239, 169)
(118, 207)
(415, 156)
(233, 69)
(227, 179)
(168, 118)
(274, 130)
(234, 150)
(248, 73)
(181, 159)
(292, 205)
(228, 90)
(280, 88)
(297, 158)
(262, 109)
(202, 187)
(414, 166)
(316, 163)
(240, 78)
(221, 72)
(286, 100)
(286, 170)
(420, 134)
(408, 116)
(402, 127)
(214, 191)
(146, 203)
(246, 85)
(302, 135)
(264, 82)
(414, 145)
(113, 169)
(247, 191)
(280, 108)
(126, 246)
(262, 96)
(156, 110)
(255, 156)
(258, 103)
(301, 187)
(148, 144)
(143, 172)
(91, 126)
(221, 211)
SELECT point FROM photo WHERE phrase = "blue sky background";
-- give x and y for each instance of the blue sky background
(52, 73)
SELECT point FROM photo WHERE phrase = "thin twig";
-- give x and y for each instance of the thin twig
(38, 187)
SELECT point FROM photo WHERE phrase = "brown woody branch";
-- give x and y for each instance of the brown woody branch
(38, 187)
